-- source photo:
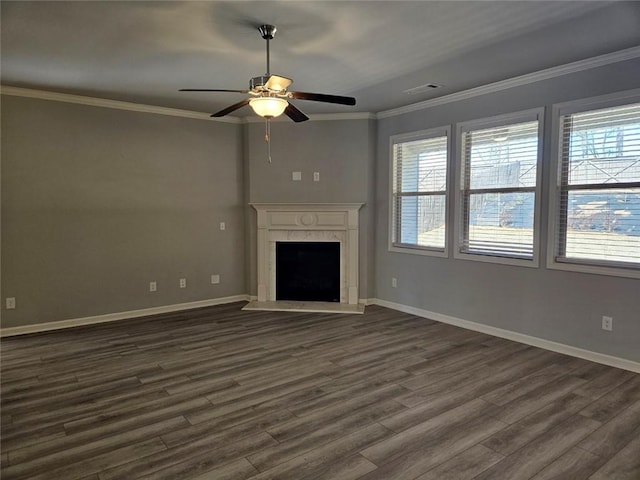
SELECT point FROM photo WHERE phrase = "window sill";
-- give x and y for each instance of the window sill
(593, 269)
(417, 250)
(514, 261)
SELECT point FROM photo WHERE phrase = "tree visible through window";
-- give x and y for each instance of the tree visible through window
(419, 190)
(498, 189)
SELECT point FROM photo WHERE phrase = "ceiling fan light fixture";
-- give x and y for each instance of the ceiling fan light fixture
(268, 107)
(270, 91)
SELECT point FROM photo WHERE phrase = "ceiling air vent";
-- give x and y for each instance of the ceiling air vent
(421, 88)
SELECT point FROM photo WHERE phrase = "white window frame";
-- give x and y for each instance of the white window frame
(559, 110)
(536, 114)
(418, 249)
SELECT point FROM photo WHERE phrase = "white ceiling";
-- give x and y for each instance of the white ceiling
(143, 51)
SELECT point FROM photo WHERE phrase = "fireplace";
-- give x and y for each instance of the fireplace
(308, 271)
(319, 223)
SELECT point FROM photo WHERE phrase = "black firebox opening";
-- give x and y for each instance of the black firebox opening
(308, 271)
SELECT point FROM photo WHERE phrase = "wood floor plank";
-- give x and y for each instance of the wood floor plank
(247, 423)
(609, 405)
(220, 393)
(615, 434)
(399, 443)
(98, 463)
(44, 457)
(533, 457)
(303, 425)
(602, 384)
(194, 464)
(625, 465)
(525, 385)
(432, 448)
(345, 468)
(236, 470)
(331, 395)
(319, 435)
(518, 434)
(319, 461)
(193, 458)
(223, 415)
(574, 464)
(464, 466)
(538, 398)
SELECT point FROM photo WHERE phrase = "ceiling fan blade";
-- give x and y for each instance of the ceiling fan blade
(277, 83)
(321, 97)
(232, 108)
(210, 90)
(295, 114)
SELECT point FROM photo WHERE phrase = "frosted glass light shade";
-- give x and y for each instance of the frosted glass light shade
(268, 107)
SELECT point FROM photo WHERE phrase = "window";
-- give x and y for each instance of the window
(499, 189)
(419, 192)
(597, 195)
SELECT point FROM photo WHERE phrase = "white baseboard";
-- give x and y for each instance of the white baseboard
(439, 317)
(367, 301)
(516, 337)
(112, 317)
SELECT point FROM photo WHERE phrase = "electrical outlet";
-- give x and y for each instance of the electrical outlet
(215, 279)
(316, 176)
(296, 176)
(153, 286)
(183, 283)
(223, 226)
(11, 303)
(607, 323)
(394, 282)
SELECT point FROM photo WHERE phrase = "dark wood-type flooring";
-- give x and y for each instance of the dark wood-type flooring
(218, 393)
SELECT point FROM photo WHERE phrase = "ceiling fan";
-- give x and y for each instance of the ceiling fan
(269, 95)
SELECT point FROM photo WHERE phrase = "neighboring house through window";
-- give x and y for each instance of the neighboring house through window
(596, 200)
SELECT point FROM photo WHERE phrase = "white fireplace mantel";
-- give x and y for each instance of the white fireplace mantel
(312, 222)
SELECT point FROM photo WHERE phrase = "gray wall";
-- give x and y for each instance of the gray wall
(97, 202)
(560, 306)
(342, 151)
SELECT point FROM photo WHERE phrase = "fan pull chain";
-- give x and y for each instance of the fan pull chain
(267, 135)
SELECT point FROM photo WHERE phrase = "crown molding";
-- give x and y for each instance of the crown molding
(174, 112)
(105, 103)
(553, 72)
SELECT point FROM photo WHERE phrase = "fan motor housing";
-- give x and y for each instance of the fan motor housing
(258, 82)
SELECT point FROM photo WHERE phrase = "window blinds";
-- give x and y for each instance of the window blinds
(499, 175)
(419, 192)
(599, 211)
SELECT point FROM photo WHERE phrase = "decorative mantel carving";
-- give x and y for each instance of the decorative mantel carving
(313, 222)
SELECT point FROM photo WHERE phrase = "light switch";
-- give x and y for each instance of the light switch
(296, 176)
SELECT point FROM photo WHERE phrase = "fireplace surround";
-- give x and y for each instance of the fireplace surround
(307, 222)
